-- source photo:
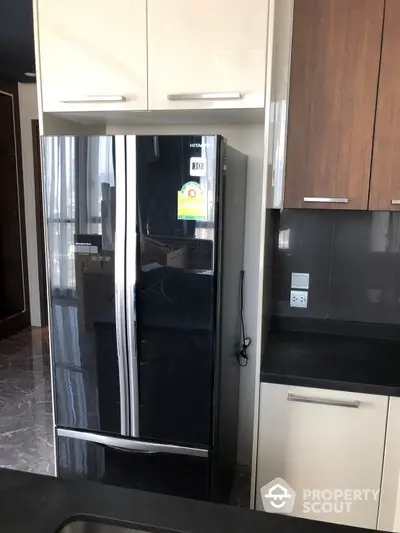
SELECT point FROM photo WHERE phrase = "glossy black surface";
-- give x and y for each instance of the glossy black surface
(42, 504)
(80, 190)
(175, 296)
(177, 268)
(85, 525)
(26, 417)
(333, 355)
(353, 259)
(177, 475)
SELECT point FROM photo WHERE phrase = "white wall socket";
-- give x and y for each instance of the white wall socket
(298, 298)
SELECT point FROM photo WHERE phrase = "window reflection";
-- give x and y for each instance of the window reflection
(163, 169)
(284, 239)
(80, 199)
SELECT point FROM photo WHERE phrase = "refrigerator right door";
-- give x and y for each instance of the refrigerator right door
(175, 295)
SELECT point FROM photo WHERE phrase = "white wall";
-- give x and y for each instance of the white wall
(28, 109)
(249, 139)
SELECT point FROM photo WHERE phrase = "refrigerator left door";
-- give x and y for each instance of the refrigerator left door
(84, 191)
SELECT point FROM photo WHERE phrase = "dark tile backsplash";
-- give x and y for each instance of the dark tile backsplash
(353, 258)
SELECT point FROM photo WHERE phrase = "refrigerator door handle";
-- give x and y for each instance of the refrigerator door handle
(120, 319)
(132, 445)
(130, 269)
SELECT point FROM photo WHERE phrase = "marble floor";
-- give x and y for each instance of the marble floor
(26, 427)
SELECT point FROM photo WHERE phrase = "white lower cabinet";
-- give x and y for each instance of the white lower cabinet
(389, 509)
(328, 446)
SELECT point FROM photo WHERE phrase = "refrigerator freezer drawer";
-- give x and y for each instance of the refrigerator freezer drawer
(167, 473)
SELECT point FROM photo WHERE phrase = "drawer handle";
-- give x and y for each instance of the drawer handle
(204, 96)
(94, 98)
(395, 202)
(321, 200)
(352, 404)
(131, 445)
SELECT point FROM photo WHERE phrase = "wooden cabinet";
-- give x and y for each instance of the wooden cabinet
(92, 54)
(385, 176)
(208, 55)
(389, 508)
(334, 78)
(318, 439)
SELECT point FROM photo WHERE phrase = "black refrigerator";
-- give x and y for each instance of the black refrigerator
(145, 273)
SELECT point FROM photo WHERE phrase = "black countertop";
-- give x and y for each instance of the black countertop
(32, 503)
(353, 357)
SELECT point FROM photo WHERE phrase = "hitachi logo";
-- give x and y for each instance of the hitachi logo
(198, 145)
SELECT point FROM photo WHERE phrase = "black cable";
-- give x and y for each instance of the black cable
(241, 356)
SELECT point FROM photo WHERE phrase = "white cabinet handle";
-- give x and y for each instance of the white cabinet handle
(321, 200)
(94, 98)
(204, 96)
(353, 404)
(395, 202)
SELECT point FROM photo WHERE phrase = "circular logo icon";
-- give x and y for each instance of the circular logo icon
(191, 193)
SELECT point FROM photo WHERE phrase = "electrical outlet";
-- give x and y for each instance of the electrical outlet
(298, 298)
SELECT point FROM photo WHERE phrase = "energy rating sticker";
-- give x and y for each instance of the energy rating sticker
(192, 202)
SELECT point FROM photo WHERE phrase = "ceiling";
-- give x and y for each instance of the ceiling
(16, 40)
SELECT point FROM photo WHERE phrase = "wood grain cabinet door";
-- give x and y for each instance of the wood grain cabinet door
(334, 81)
(385, 177)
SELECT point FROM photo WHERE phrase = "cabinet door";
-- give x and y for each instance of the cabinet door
(317, 439)
(389, 508)
(207, 55)
(385, 177)
(92, 54)
(334, 77)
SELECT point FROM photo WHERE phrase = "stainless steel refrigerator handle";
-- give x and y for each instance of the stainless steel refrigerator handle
(204, 96)
(131, 445)
(120, 320)
(130, 290)
(321, 200)
(94, 98)
(353, 404)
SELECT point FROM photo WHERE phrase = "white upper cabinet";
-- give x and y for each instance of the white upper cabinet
(208, 54)
(92, 54)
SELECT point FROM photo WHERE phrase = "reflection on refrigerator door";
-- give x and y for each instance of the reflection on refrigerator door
(80, 196)
(178, 475)
(145, 257)
(176, 283)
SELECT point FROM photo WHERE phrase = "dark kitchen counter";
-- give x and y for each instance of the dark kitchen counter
(333, 355)
(32, 503)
